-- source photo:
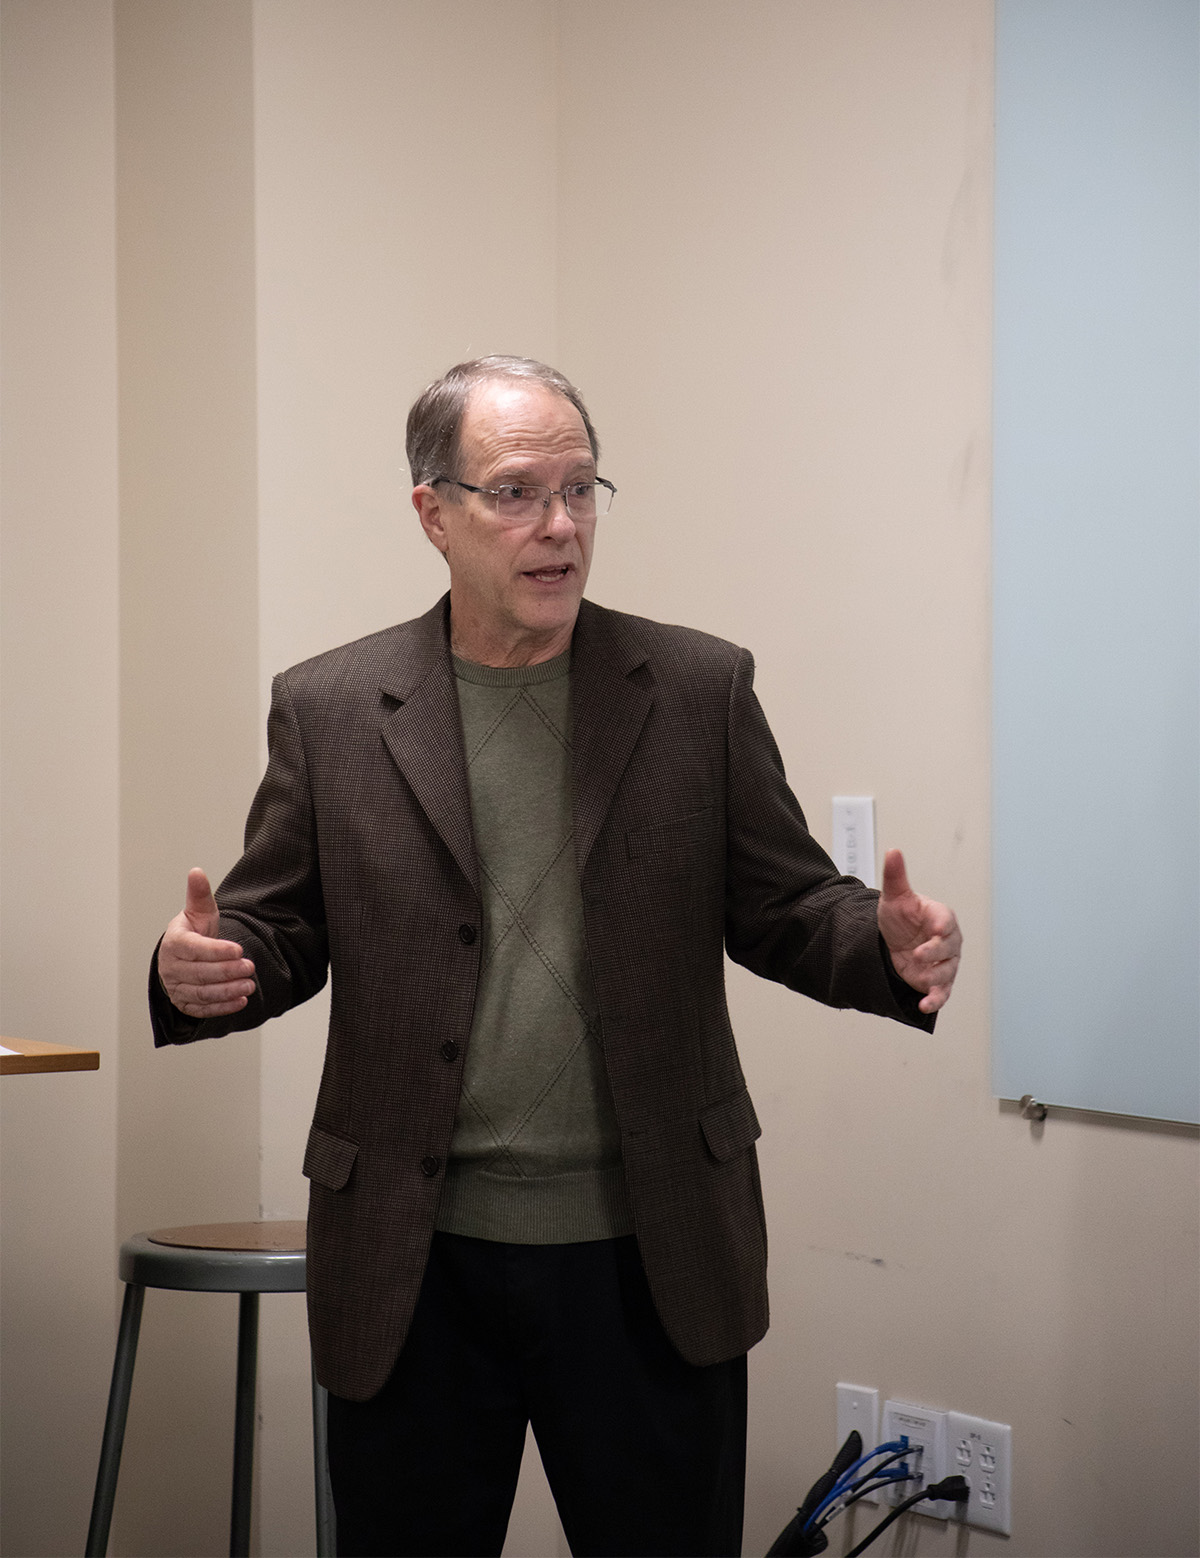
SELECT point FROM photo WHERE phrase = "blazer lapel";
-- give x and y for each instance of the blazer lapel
(424, 735)
(608, 710)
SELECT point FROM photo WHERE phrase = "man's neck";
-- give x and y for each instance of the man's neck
(526, 650)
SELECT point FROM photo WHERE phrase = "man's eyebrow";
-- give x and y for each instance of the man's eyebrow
(524, 475)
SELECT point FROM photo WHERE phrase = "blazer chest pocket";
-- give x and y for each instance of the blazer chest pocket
(328, 1159)
(730, 1126)
(665, 839)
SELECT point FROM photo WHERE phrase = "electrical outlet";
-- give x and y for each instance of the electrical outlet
(981, 1451)
(858, 1408)
(925, 1429)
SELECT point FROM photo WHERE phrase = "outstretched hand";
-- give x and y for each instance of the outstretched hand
(922, 936)
(202, 975)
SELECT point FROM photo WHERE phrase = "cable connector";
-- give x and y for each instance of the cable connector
(956, 1489)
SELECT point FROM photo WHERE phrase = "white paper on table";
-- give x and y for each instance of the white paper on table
(4, 1051)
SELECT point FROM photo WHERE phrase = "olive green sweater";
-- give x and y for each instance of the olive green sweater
(535, 1157)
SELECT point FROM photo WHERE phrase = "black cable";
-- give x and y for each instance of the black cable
(956, 1488)
(897, 1455)
(867, 1484)
(831, 1491)
(795, 1540)
(871, 1487)
(846, 1457)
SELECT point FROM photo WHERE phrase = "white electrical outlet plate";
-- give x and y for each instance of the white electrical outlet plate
(858, 1408)
(925, 1428)
(981, 1451)
(854, 837)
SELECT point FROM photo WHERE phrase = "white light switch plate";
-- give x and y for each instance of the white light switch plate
(854, 837)
(858, 1408)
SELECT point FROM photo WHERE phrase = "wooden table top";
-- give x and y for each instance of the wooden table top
(34, 1055)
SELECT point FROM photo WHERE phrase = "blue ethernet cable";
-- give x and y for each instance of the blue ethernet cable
(872, 1483)
(901, 1448)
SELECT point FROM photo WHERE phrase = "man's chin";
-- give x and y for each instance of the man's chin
(549, 619)
(550, 601)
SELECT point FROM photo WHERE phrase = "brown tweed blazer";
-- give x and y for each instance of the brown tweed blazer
(359, 858)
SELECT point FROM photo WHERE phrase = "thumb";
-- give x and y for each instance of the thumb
(200, 906)
(895, 877)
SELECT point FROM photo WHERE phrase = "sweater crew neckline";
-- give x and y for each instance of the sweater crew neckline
(512, 675)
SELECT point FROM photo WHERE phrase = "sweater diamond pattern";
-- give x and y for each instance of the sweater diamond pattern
(535, 1103)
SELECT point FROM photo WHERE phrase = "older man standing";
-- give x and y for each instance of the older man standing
(521, 831)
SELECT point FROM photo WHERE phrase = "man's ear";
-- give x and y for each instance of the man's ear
(429, 511)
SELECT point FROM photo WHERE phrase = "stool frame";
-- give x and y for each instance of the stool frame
(248, 1273)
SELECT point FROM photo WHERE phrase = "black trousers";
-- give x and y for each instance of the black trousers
(645, 1454)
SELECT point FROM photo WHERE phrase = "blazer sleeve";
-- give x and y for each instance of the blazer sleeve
(789, 915)
(271, 902)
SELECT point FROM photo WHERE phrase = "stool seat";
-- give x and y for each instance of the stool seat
(243, 1258)
(236, 1236)
(218, 1258)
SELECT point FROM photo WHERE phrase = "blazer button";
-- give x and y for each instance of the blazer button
(466, 934)
(449, 1050)
(430, 1166)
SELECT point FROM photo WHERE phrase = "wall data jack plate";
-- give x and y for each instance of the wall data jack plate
(925, 1429)
(858, 1408)
(981, 1451)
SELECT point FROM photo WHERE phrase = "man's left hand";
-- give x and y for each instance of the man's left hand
(922, 936)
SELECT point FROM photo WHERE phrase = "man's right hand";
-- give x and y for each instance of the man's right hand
(203, 976)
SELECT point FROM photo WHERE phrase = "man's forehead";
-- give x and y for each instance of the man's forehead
(503, 415)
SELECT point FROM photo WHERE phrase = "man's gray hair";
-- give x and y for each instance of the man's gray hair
(436, 416)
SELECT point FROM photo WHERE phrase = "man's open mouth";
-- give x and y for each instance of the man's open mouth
(548, 575)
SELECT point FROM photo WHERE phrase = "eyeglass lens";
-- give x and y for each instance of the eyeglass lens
(584, 500)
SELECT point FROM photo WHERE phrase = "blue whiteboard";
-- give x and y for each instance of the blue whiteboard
(1096, 562)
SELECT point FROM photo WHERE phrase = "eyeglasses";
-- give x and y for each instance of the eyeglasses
(522, 503)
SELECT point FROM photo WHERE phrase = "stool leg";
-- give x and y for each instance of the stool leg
(326, 1529)
(243, 1430)
(114, 1421)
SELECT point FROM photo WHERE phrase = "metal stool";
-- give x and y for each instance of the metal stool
(243, 1258)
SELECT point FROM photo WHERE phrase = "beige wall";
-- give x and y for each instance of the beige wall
(759, 236)
(188, 1148)
(60, 757)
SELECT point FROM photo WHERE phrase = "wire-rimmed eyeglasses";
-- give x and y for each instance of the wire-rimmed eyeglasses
(520, 503)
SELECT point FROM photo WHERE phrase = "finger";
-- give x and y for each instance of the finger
(208, 996)
(205, 975)
(937, 996)
(195, 1009)
(189, 946)
(200, 906)
(937, 919)
(939, 993)
(895, 877)
(924, 976)
(937, 949)
(940, 947)
(928, 978)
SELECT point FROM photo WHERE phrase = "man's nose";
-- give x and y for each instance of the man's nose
(556, 518)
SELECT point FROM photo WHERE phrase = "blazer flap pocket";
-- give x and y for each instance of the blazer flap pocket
(669, 835)
(328, 1159)
(730, 1126)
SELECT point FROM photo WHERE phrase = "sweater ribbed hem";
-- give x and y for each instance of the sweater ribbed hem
(548, 1209)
